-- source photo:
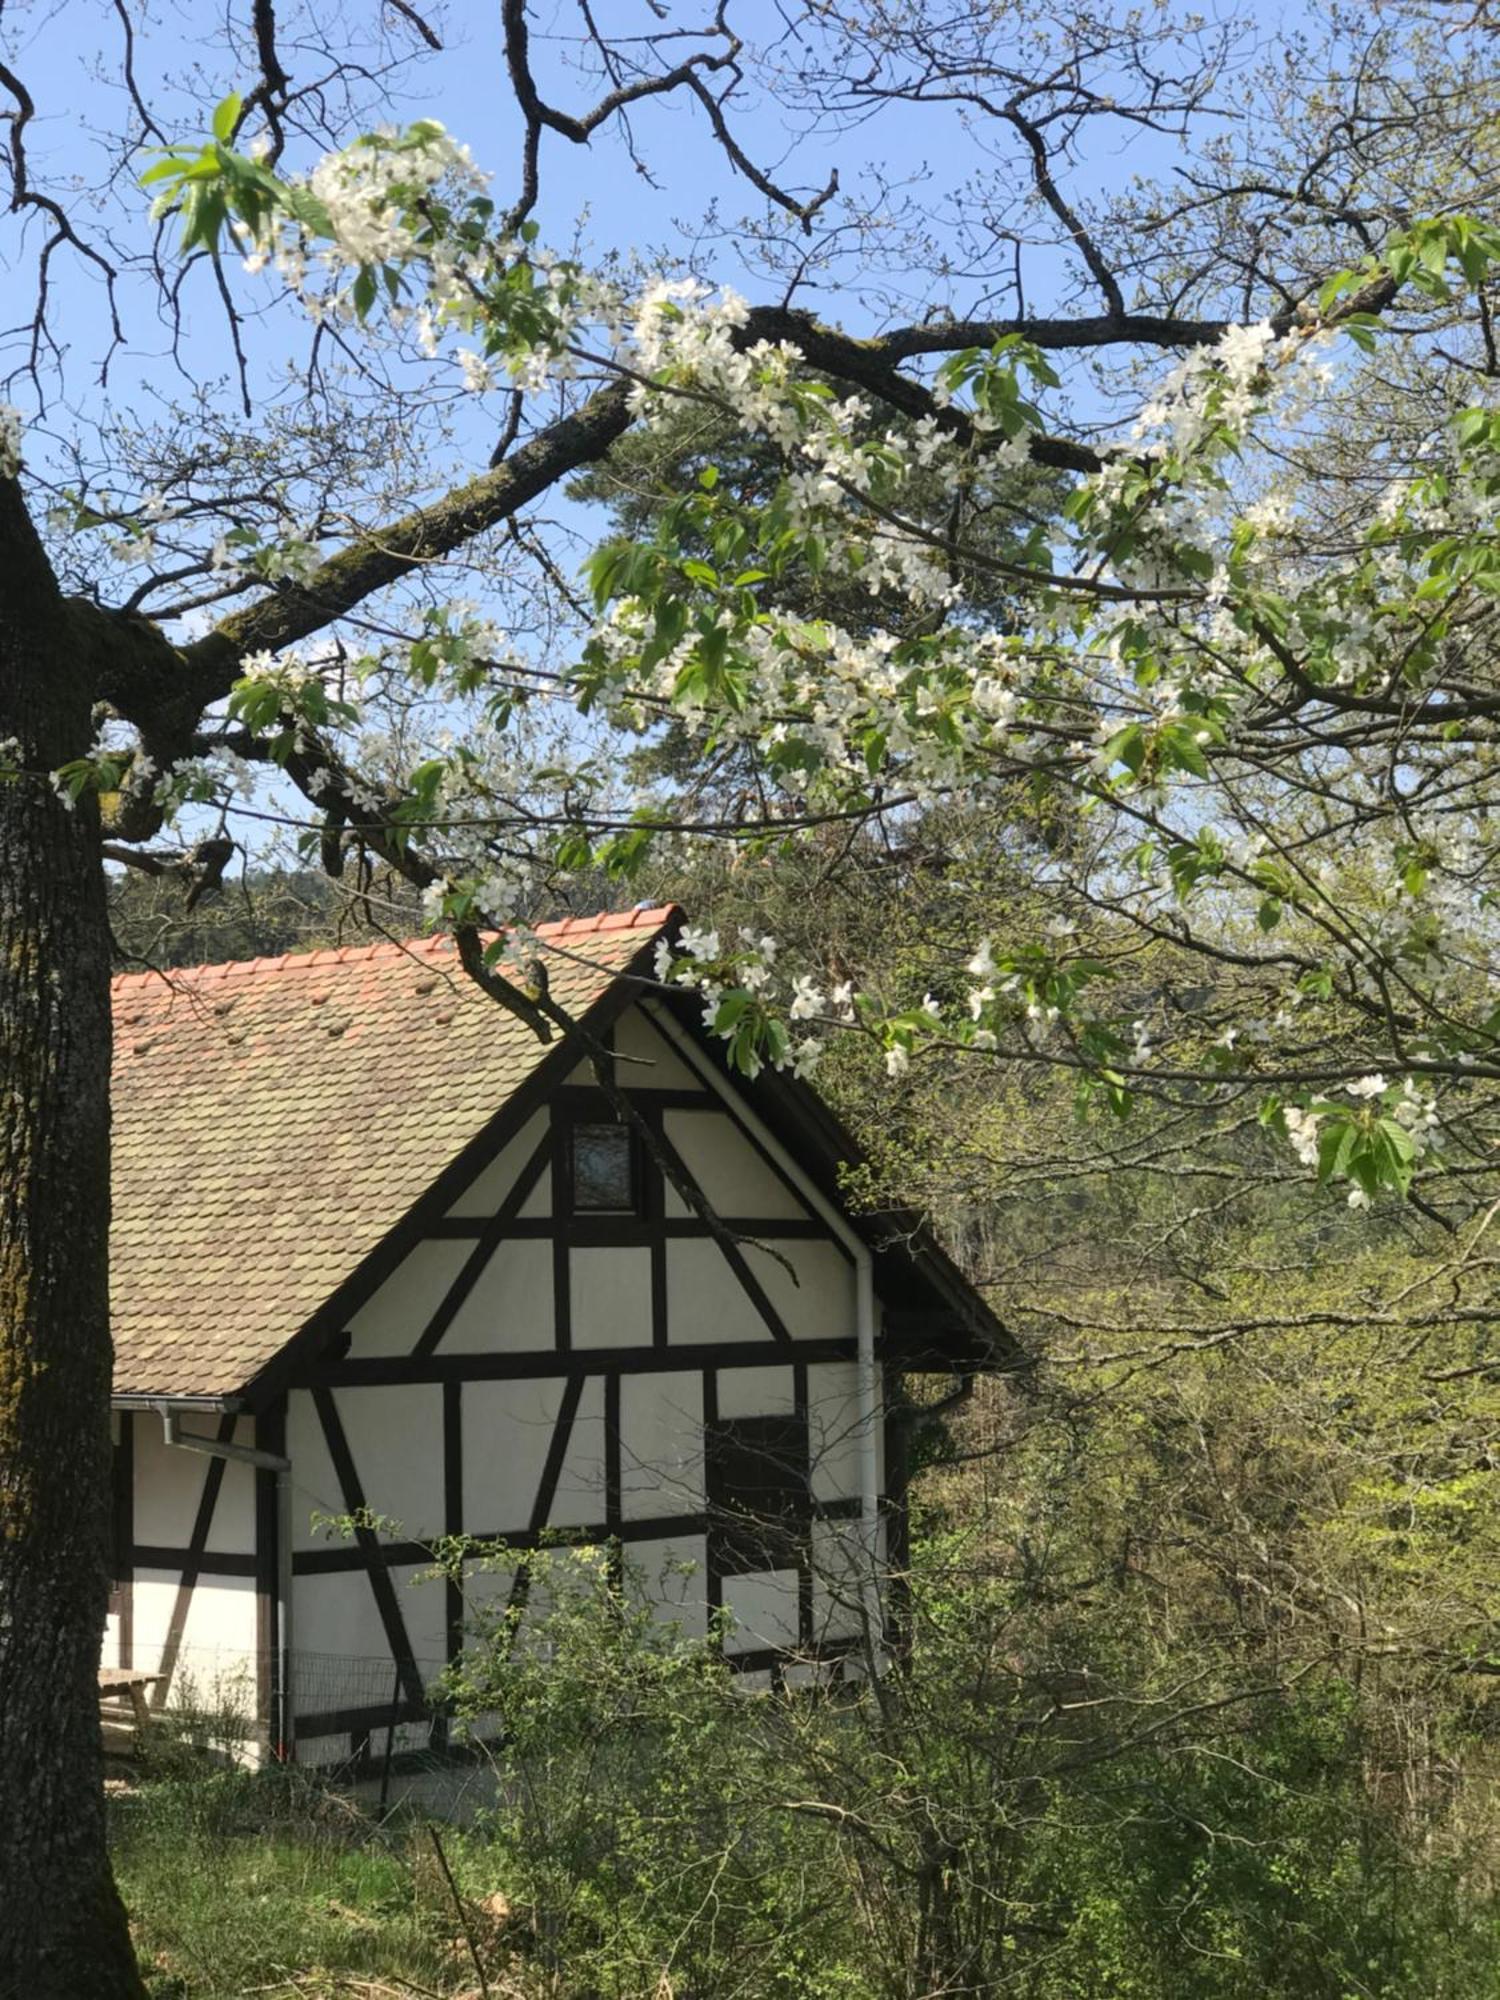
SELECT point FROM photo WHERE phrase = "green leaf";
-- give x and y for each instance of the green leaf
(729, 1010)
(1472, 425)
(1336, 1143)
(172, 166)
(1333, 288)
(227, 116)
(1128, 747)
(1181, 750)
(305, 207)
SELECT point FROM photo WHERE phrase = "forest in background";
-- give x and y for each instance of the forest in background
(1202, 1692)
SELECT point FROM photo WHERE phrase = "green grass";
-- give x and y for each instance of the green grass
(267, 1884)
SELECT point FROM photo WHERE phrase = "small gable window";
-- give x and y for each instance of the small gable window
(604, 1170)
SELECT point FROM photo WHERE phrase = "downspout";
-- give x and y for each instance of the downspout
(281, 1727)
(869, 1404)
(867, 1381)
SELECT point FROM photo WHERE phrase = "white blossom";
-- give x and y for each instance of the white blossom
(808, 1000)
(478, 373)
(1302, 1130)
(695, 943)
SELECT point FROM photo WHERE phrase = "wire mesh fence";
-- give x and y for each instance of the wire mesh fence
(337, 1710)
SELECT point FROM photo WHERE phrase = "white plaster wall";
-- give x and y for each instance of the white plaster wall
(705, 1300)
(646, 1060)
(726, 1166)
(507, 1427)
(343, 1658)
(757, 1392)
(842, 1574)
(420, 1598)
(155, 1592)
(509, 1311)
(835, 1432)
(315, 1486)
(764, 1608)
(661, 1445)
(221, 1620)
(337, 1620)
(392, 1320)
(395, 1438)
(669, 1575)
(486, 1193)
(169, 1485)
(819, 1305)
(220, 1633)
(610, 1297)
(579, 1501)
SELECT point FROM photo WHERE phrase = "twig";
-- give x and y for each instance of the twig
(458, 1904)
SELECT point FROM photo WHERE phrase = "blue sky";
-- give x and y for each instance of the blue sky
(71, 58)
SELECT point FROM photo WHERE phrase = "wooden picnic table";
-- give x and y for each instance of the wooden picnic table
(119, 1685)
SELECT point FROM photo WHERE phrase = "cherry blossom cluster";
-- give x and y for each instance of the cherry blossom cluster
(1156, 629)
(764, 1012)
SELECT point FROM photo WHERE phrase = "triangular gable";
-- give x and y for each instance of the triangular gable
(276, 1119)
(932, 1315)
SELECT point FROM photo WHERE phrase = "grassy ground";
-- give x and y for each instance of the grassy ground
(268, 1885)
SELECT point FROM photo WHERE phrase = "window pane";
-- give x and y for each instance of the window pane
(602, 1177)
(758, 1492)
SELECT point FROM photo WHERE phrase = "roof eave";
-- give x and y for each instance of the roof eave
(160, 1399)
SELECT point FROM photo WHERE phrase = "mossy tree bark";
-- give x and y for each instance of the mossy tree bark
(63, 1932)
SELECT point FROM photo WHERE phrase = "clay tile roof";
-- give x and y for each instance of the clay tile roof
(274, 1119)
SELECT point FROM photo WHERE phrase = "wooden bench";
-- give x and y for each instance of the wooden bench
(123, 1700)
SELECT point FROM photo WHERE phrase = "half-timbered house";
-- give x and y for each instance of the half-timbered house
(379, 1252)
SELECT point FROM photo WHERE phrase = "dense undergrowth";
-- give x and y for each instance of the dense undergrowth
(999, 1817)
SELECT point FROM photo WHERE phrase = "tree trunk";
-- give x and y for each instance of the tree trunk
(63, 1932)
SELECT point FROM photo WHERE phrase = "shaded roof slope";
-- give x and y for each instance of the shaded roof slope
(274, 1119)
